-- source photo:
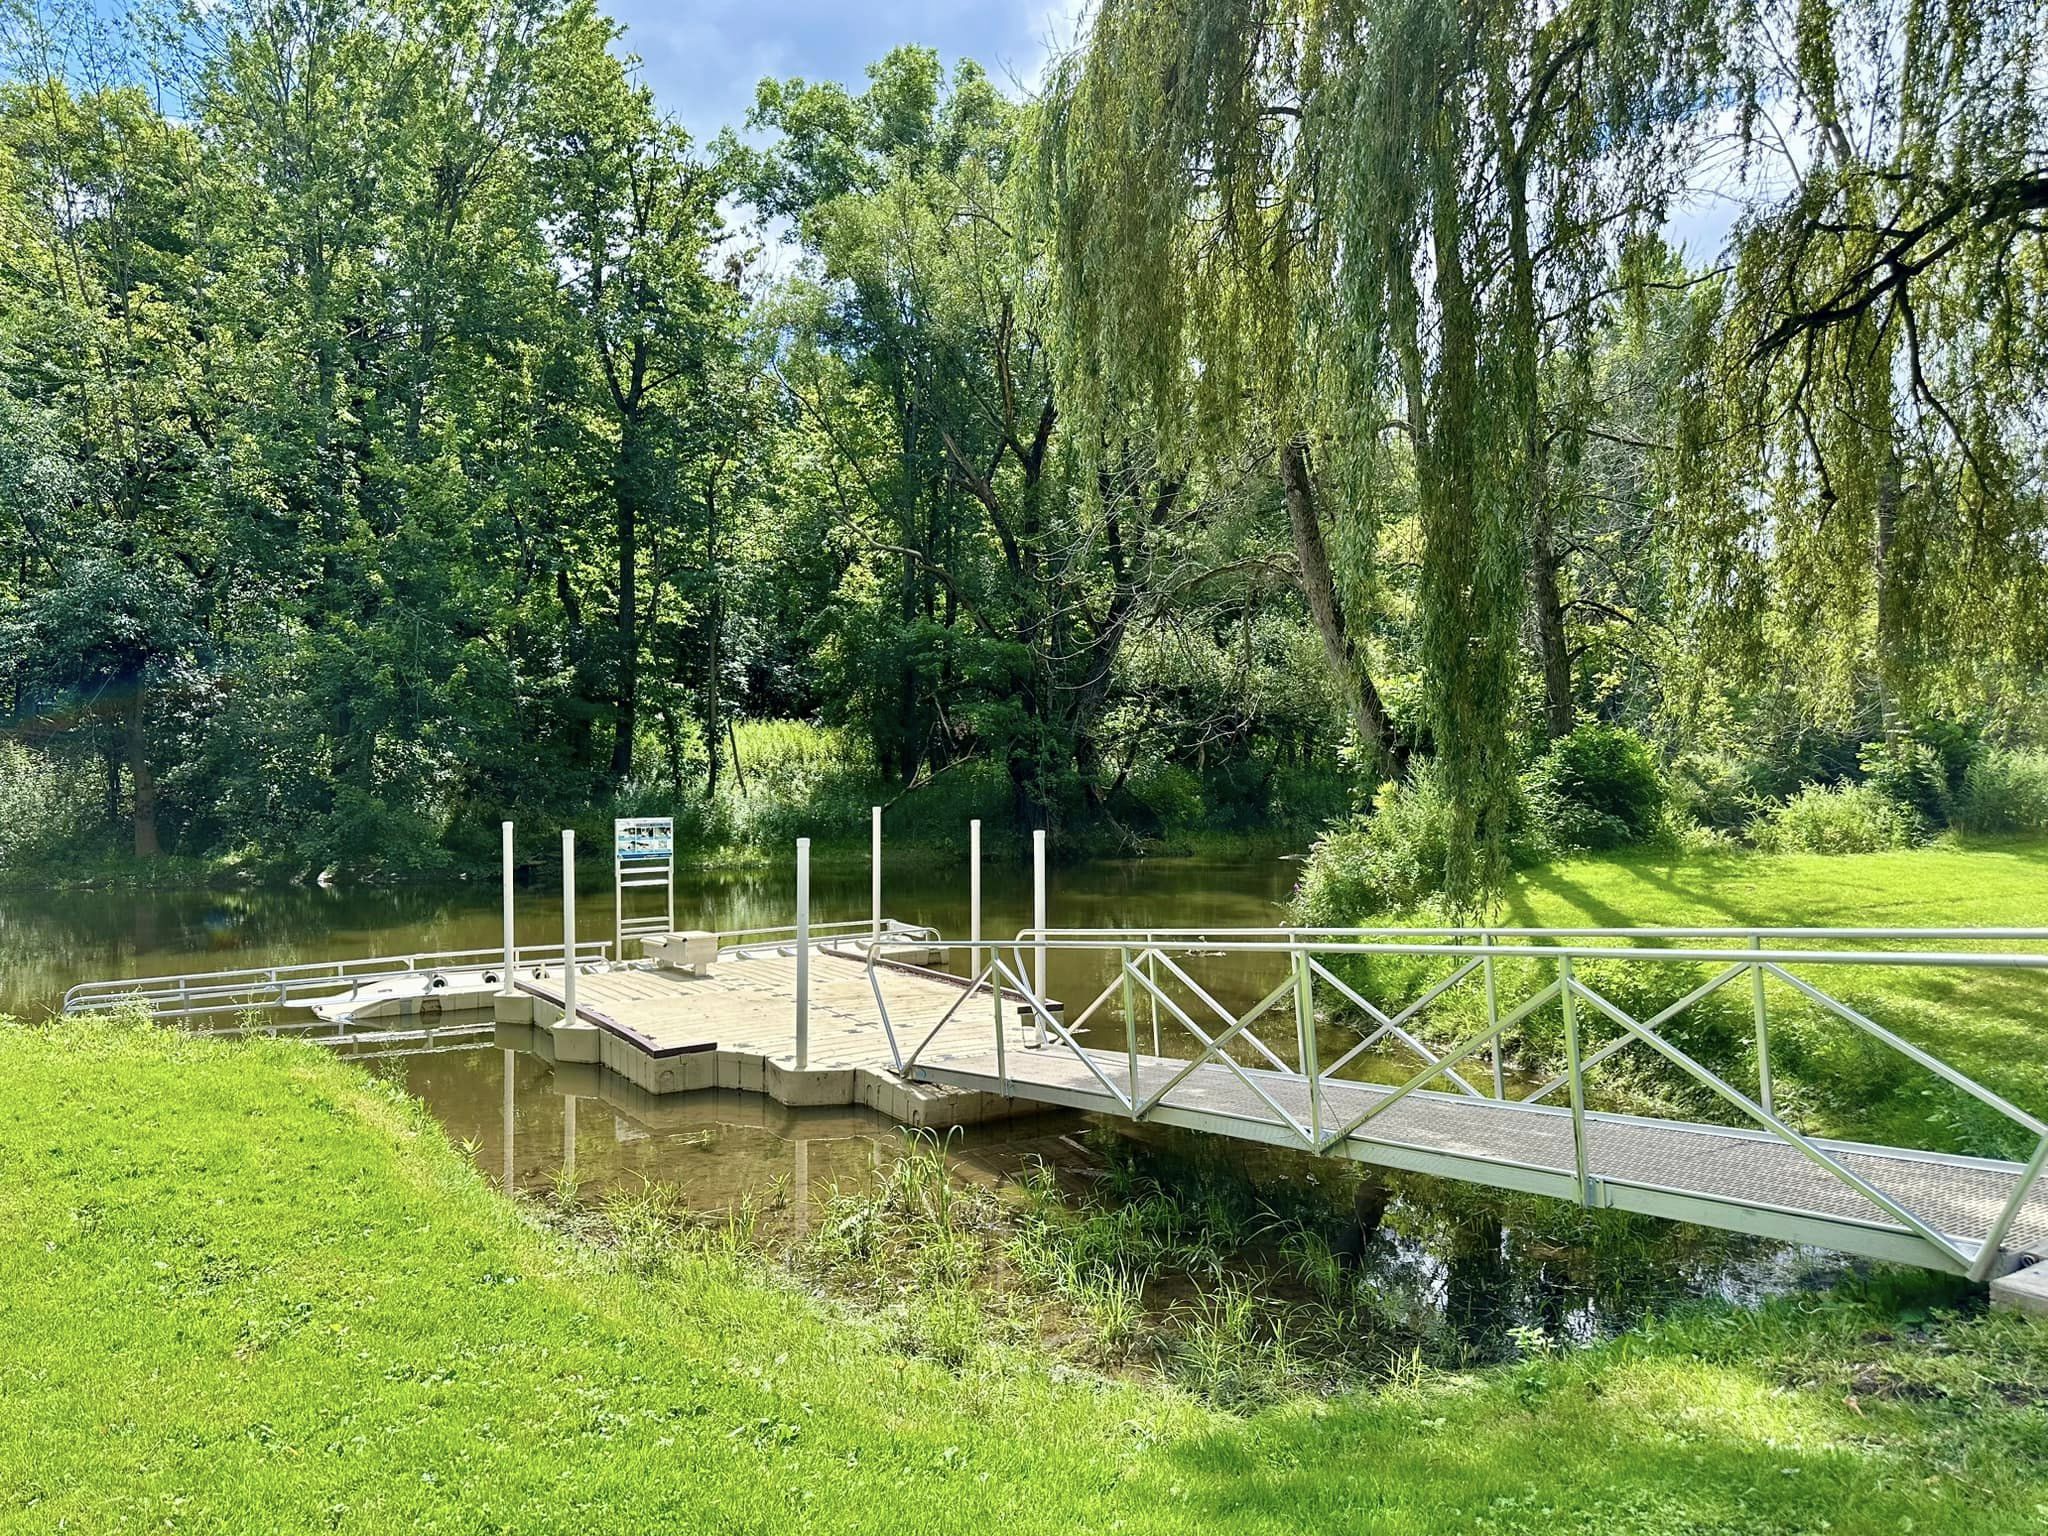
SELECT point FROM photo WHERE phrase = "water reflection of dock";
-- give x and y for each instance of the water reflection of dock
(538, 1124)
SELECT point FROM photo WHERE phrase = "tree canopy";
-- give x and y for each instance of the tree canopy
(404, 423)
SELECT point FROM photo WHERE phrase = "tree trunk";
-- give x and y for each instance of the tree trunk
(1553, 644)
(630, 478)
(713, 704)
(141, 775)
(1319, 586)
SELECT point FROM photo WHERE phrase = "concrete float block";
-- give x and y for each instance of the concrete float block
(740, 1072)
(577, 1041)
(831, 1086)
(624, 1059)
(689, 1073)
(868, 1085)
(516, 1009)
(2024, 1291)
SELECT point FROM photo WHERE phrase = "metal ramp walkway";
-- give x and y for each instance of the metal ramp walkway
(1728, 1177)
(1758, 1173)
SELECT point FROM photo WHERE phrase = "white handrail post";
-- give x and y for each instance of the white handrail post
(803, 954)
(1567, 998)
(1500, 1088)
(506, 988)
(1038, 923)
(875, 865)
(973, 900)
(1763, 1026)
(1305, 1027)
(568, 925)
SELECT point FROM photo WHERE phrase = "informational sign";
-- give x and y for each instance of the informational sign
(643, 860)
(644, 839)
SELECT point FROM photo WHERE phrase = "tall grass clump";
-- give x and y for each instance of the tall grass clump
(1391, 860)
(48, 805)
(1843, 818)
(2005, 792)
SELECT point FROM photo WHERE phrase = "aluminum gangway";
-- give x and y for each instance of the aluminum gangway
(284, 996)
(1747, 1166)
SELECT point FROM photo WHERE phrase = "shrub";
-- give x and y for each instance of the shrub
(2005, 791)
(1716, 790)
(1170, 794)
(47, 803)
(1390, 860)
(1924, 767)
(1845, 818)
(1598, 788)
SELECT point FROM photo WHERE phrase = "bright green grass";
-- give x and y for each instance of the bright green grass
(1991, 1025)
(248, 1289)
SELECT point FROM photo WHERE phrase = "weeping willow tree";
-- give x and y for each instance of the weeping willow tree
(1866, 484)
(1359, 230)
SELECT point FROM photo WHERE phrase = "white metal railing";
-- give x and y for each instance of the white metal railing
(1148, 967)
(198, 994)
(854, 937)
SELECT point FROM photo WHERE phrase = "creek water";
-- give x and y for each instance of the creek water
(51, 939)
(531, 1126)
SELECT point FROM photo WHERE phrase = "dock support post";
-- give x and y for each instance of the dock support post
(568, 925)
(803, 954)
(973, 901)
(1123, 958)
(875, 865)
(1038, 922)
(506, 986)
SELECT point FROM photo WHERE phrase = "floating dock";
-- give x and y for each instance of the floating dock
(675, 1031)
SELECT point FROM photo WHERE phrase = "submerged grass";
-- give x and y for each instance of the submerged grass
(248, 1288)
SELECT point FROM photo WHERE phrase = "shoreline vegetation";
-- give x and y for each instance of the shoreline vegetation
(256, 1288)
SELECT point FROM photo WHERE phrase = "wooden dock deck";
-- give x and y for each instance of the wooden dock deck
(669, 1031)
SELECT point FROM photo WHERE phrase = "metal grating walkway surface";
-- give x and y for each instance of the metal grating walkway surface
(1716, 1176)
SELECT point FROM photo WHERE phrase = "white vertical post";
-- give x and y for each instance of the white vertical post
(505, 983)
(1038, 922)
(875, 864)
(803, 954)
(973, 900)
(568, 925)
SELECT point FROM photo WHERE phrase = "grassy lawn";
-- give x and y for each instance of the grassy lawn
(1990, 1025)
(249, 1289)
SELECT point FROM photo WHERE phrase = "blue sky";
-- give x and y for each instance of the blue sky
(702, 57)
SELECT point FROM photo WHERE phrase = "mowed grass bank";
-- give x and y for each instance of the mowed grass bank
(247, 1288)
(1991, 1025)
